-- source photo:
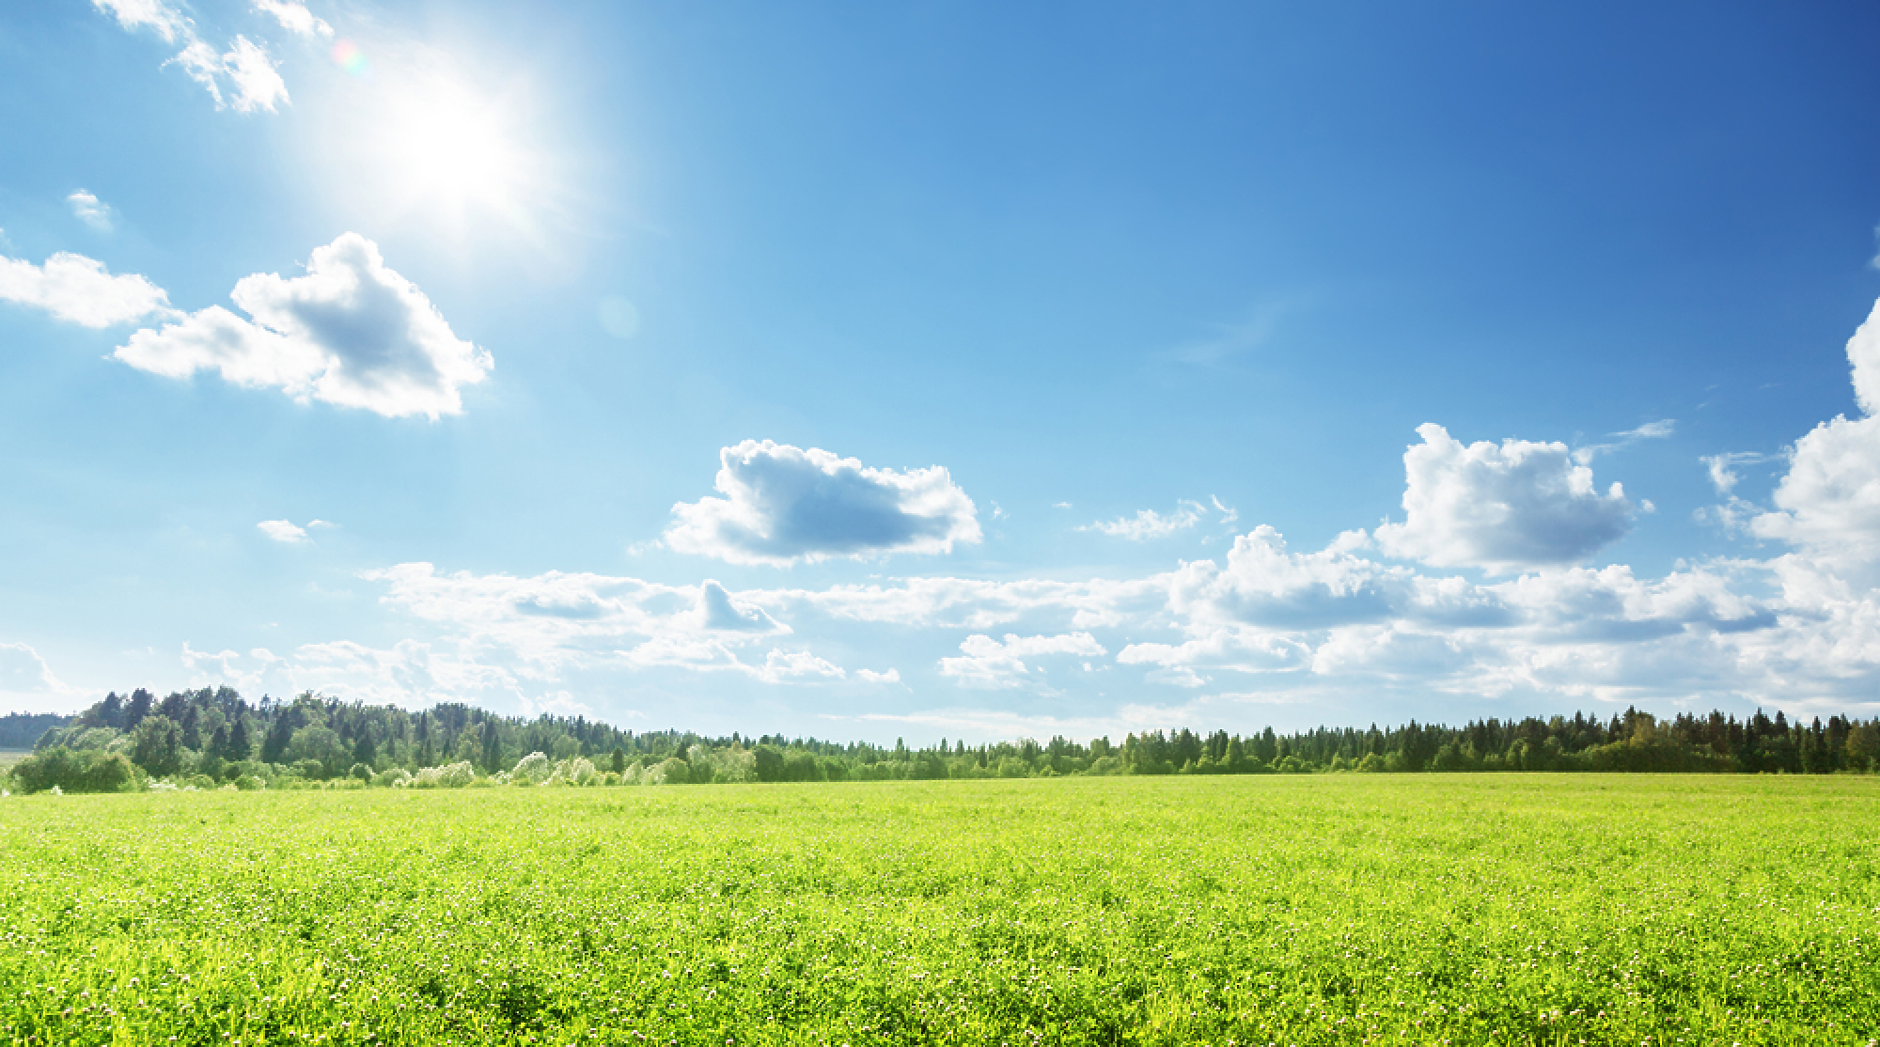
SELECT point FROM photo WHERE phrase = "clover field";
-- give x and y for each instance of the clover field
(1322, 909)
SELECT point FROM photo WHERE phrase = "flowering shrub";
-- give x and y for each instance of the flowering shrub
(450, 776)
(732, 764)
(533, 769)
(669, 772)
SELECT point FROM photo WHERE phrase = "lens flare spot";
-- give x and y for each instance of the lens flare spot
(349, 57)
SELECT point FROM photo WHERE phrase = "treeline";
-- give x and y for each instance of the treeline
(21, 730)
(216, 738)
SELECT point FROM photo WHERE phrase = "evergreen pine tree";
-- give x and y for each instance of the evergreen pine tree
(280, 732)
(239, 747)
(192, 728)
(492, 747)
(138, 708)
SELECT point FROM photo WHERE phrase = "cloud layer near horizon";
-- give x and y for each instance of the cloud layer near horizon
(1485, 591)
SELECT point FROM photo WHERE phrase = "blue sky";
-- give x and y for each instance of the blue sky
(942, 370)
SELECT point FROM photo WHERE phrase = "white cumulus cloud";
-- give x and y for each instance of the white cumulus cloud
(1266, 584)
(283, 531)
(985, 662)
(257, 84)
(79, 290)
(162, 18)
(245, 66)
(1388, 650)
(1829, 501)
(1503, 508)
(350, 332)
(786, 505)
(1239, 649)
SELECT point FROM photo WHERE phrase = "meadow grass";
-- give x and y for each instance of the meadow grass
(1239, 910)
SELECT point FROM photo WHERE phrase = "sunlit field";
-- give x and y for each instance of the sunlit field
(1219, 910)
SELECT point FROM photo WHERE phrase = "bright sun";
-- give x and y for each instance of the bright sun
(452, 146)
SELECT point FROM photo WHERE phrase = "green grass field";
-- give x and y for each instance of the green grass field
(1284, 910)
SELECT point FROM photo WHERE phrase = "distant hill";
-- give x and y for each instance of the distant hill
(21, 730)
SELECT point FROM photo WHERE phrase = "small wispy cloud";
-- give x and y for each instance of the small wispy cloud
(283, 531)
(290, 533)
(1228, 516)
(1722, 467)
(1224, 341)
(1148, 524)
(294, 17)
(1658, 430)
(1651, 430)
(87, 208)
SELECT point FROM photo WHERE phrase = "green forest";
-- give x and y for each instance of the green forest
(21, 730)
(218, 739)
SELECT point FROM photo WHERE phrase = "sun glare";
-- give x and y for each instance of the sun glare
(447, 144)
